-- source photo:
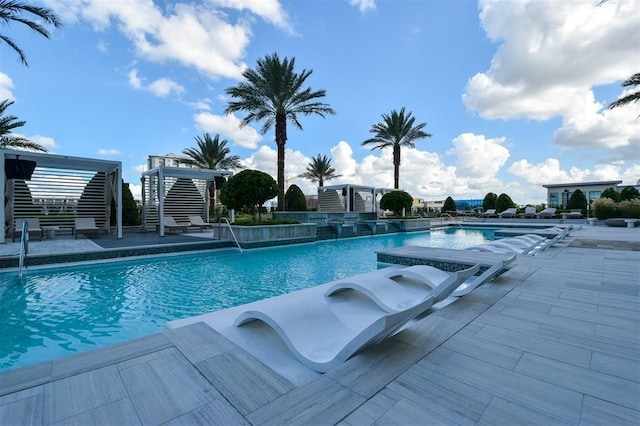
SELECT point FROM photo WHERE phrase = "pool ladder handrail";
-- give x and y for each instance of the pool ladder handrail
(231, 230)
(24, 247)
(452, 218)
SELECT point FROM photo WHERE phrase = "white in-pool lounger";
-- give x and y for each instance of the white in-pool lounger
(474, 282)
(317, 336)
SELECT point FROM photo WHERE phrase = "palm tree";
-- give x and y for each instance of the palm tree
(273, 94)
(634, 80)
(9, 123)
(211, 154)
(396, 130)
(319, 170)
(14, 10)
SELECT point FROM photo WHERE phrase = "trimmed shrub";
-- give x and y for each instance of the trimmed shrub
(449, 205)
(489, 201)
(577, 200)
(629, 193)
(396, 201)
(249, 190)
(611, 194)
(606, 208)
(504, 202)
(294, 200)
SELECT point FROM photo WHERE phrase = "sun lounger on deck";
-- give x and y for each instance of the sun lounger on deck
(318, 337)
(200, 223)
(85, 225)
(511, 212)
(33, 225)
(546, 213)
(489, 213)
(172, 225)
(529, 212)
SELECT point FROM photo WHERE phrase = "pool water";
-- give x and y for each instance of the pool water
(54, 312)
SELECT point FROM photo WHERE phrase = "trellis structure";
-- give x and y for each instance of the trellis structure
(177, 191)
(58, 188)
(350, 198)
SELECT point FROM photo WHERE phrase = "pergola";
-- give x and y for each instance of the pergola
(187, 187)
(58, 188)
(349, 191)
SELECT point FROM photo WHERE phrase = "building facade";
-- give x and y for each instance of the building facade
(558, 195)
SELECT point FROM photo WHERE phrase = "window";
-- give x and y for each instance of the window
(553, 199)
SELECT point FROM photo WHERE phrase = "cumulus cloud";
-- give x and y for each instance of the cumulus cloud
(229, 127)
(161, 87)
(198, 36)
(6, 87)
(46, 141)
(550, 58)
(363, 5)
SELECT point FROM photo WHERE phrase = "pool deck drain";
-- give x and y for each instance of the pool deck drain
(556, 339)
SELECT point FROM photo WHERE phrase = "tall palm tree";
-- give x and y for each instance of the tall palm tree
(396, 130)
(319, 170)
(212, 153)
(273, 94)
(14, 11)
(634, 80)
(9, 123)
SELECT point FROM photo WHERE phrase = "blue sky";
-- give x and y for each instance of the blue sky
(514, 93)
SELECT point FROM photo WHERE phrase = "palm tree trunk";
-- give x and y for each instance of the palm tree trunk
(281, 141)
(396, 167)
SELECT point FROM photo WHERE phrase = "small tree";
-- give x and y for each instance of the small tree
(396, 201)
(629, 193)
(489, 201)
(577, 200)
(249, 190)
(130, 210)
(295, 200)
(504, 202)
(610, 193)
(449, 205)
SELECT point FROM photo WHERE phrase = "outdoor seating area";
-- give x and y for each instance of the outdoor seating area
(85, 225)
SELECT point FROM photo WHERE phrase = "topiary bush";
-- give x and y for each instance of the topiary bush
(577, 200)
(249, 190)
(504, 202)
(610, 193)
(629, 193)
(294, 199)
(489, 201)
(449, 205)
(396, 201)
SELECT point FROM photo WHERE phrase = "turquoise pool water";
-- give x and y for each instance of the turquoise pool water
(59, 311)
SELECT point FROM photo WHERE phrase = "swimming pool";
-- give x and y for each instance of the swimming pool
(54, 312)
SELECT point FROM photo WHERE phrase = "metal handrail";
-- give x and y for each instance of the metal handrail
(231, 230)
(24, 246)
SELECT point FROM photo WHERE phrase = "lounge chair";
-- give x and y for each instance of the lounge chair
(85, 225)
(502, 246)
(529, 212)
(172, 225)
(197, 221)
(317, 336)
(510, 212)
(573, 214)
(385, 287)
(440, 283)
(489, 213)
(474, 282)
(34, 228)
(546, 213)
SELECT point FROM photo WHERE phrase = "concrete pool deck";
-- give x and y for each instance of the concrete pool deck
(554, 340)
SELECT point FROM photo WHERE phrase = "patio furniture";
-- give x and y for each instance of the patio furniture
(318, 337)
(474, 282)
(172, 225)
(510, 212)
(50, 231)
(573, 214)
(33, 224)
(489, 213)
(200, 223)
(529, 212)
(85, 225)
(549, 212)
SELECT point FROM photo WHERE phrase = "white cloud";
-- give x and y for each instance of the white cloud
(46, 141)
(136, 191)
(102, 46)
(164, 86)
(108, 152)
(229, 127)
(196, 36)
(550, 58)
(140, 168)
(6, 87)
(363, 5)
(161, 87)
